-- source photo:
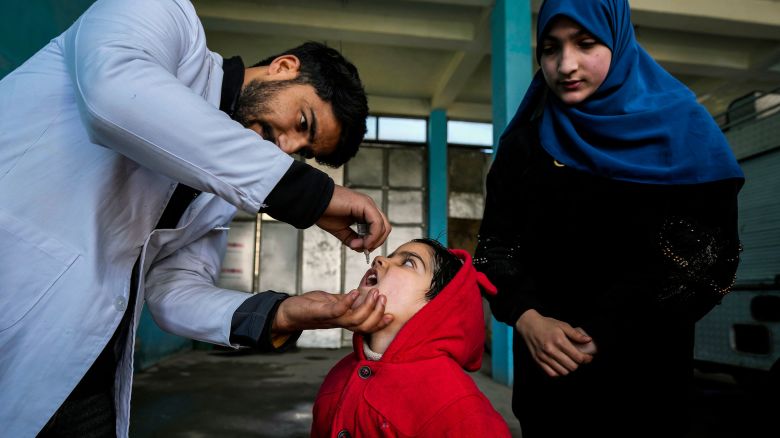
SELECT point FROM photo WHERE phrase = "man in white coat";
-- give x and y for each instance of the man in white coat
(124, 153)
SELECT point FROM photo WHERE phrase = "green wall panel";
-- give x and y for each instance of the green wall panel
(27, 25)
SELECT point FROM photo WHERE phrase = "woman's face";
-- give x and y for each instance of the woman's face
(573, 62)
(404, 277)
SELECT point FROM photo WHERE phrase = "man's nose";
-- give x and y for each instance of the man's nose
(291, 143)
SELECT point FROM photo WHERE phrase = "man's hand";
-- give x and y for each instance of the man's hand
(555, 345)
(348, 207)
(320, 310)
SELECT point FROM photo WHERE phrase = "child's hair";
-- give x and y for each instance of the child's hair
(445, 266)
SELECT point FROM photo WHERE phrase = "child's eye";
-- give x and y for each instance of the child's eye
(409, 263)
(304, 123)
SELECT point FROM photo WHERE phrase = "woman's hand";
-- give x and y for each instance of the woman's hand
(320, 310)
(588, 347)
(555, 345)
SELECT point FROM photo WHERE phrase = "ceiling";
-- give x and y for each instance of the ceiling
(416, 55)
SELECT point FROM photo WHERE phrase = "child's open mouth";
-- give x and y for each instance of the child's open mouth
(371, 278)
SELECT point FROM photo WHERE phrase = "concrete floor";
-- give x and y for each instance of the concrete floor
(217, 393)
(200, 394)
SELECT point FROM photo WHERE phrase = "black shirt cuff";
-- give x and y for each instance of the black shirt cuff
(300, 197)
(252, 322)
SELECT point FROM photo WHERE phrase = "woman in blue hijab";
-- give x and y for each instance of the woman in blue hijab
(610, 228)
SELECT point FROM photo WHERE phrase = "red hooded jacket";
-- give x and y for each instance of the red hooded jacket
(419, 387)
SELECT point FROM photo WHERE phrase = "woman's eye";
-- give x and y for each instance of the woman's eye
(588, 43)
(548, 49)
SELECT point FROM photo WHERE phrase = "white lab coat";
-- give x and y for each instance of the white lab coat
(95, 129)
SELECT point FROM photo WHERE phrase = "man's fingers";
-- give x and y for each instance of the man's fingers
(341, 304)
(347, 207)
(366, 325)
(371, 323)
(362, 297)
(361, 312)
(349, 237)
(378, 228)
(388, 228)
(387, 318)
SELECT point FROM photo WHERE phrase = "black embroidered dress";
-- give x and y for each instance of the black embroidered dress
(635, 265)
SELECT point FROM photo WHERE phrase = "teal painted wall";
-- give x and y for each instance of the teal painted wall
(512, 71)
(25, 27)
(437, 176)
(152, 344)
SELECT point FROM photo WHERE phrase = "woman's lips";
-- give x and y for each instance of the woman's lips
(570, 85)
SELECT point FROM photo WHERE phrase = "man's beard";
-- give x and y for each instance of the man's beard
(255, 101)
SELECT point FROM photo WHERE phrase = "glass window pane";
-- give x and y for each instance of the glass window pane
(404, 206)
(398, 129)
(466, 205)
(401, 235)
(406, 168)
(278, 257)
(370, 128)
(321, 260)
(365, 169)
(238, 266)
(465, 170)
(471, 133)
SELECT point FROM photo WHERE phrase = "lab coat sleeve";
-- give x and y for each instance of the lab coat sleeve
(182, 296)
(129, 63)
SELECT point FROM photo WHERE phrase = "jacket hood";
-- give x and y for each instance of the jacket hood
(451, 324)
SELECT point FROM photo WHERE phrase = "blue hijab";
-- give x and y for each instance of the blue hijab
(641, 125)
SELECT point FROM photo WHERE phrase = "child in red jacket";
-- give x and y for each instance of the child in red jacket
(409, 379)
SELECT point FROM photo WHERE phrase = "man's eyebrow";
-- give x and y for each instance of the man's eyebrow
(415, 255)
(312, 126)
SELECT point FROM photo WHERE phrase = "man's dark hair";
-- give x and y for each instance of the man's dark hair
(337, 82)
(445, 266)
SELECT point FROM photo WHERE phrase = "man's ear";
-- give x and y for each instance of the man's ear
(284, 67)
